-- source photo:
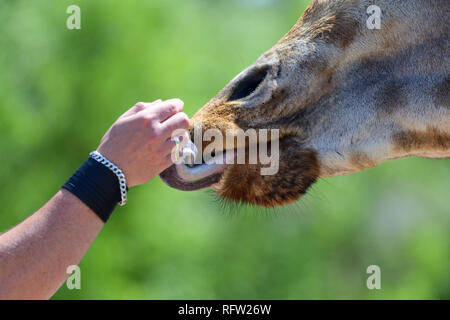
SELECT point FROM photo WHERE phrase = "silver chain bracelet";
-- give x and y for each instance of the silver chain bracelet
(122, 181)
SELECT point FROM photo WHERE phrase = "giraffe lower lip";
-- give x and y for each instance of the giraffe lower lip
(183, 177)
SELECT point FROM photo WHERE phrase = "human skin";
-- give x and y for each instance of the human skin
(35, 254)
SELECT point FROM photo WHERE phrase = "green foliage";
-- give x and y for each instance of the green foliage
(61, 89)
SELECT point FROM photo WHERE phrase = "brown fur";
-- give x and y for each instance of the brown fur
(338, 29)
(243, 183)
(361, 160)
(431, 139)
(319, 22)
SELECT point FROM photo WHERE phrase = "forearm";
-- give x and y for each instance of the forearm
(35, 254)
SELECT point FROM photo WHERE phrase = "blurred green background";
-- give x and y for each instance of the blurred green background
(60, 90)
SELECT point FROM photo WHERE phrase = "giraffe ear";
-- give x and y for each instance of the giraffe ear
(249, 83)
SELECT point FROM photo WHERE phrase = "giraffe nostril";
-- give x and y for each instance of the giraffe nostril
(249, 83)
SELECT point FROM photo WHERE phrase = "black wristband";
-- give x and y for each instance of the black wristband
(97, 186)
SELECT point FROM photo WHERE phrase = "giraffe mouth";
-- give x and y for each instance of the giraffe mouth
(187, 177)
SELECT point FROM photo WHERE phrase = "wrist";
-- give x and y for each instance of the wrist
(117, 171)
(98, 184)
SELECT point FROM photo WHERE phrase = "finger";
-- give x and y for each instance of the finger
(166, 109)
(139, 107)
(168, 146)
(177, 121)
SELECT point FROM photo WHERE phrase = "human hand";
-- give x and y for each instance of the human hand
(139, 142)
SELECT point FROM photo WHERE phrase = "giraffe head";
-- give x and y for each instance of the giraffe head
(344, 96)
